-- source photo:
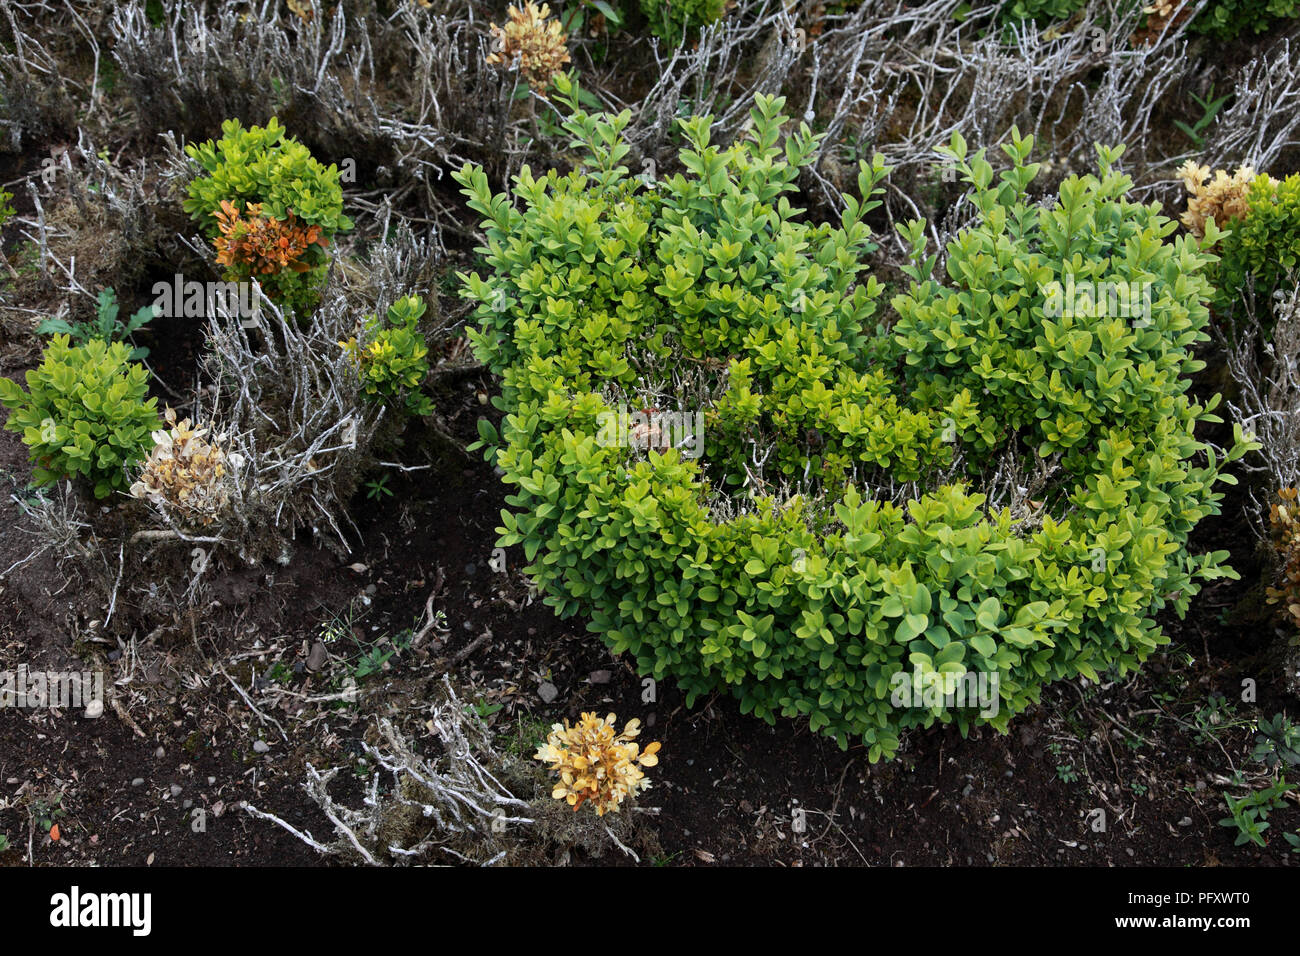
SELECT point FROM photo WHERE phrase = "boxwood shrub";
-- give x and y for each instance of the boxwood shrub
(1263, 244)
(837, 529)
(84, 415)
(1229, 19)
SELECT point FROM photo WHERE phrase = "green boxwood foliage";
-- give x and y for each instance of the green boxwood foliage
(1039, 10)
(262, 165)
(1264, 244)
(1228, 19)
(84, 415)
(805, 588)
(671, 20)
(392, 358)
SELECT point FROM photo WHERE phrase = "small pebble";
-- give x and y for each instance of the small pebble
(600, 677)
(548, 692)
(317, 656)
(211, 781)
(176, 789)
(160, 753)
(261, 746)
(95, 709)
(137, 782)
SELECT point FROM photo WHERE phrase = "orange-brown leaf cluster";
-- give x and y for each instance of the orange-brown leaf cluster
(262, 245)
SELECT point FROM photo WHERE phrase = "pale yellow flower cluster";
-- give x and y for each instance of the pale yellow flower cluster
(537, 46)
(1220, 199)
(184, 472)
(596, 764)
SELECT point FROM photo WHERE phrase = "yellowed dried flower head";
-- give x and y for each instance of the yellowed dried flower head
(184, 472)
(594, 763)
(1222, 198)
(1284, 516)
(532, 43)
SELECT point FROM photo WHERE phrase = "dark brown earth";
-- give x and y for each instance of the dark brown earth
(727, 787)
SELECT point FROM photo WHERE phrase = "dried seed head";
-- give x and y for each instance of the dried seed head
(1222, 198)
(530, 41)
(596, 764)
(185, 473)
